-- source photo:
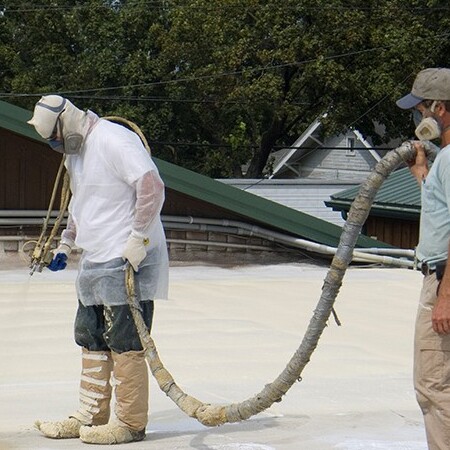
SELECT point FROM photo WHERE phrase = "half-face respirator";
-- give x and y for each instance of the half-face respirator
(428, 128)
(53, 120)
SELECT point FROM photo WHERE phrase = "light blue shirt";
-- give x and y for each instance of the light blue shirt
(435, 214)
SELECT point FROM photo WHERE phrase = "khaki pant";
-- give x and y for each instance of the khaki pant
(432, 370)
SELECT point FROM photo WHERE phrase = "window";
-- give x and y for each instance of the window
(350, 147)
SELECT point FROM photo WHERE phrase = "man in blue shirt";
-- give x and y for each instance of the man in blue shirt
(430, 99)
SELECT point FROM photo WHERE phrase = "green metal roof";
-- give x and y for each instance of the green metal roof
(15, 119)
(399, 196)
(255, 208)
(252, 206)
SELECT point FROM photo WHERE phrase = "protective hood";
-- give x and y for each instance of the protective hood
(73, 122)
(46, 113)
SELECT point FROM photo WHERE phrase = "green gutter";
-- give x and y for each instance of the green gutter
(379, 209)
(15, 119)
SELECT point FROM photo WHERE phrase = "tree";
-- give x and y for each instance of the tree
(83, 50)
(286, 65)
(219, 84)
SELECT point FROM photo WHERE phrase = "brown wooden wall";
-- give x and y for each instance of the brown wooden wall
(179, 204)
(398, 232)
(27, 175)
(27, 172)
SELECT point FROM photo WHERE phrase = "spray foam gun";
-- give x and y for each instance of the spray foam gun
(42, 254)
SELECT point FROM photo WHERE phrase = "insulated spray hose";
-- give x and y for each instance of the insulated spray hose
(214, 415)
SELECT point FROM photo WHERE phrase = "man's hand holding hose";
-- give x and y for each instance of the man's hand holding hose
(135, 250)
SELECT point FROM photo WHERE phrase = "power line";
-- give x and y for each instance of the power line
(165, 5)
(217, 75)
(254, 146)
(205, 77)
(138, 98)
(409, 76)
(224, 74)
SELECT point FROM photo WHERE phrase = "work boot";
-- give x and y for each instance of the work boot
(95, 397)
(130, 380)
(64, 429)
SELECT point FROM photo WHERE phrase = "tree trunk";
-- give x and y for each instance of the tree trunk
(213, 415)
(259, 160)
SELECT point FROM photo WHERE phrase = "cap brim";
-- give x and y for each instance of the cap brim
(43, 121)
(408, 101)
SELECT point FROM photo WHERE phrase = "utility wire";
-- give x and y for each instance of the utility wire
(441, 41)
(254, 146)
(203, 77)
(165, 5)
(206, 77)
(138, 98)
(218, 75)
(240, 72)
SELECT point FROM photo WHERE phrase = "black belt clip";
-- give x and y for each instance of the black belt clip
(438, 270)
(425, 269)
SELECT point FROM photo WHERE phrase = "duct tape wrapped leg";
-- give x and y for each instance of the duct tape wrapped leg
(95, 397)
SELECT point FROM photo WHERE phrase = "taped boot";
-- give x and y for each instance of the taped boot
(95, 397)
(130, 380)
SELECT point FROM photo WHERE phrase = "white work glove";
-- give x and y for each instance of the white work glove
(63, 248)
(135, 250)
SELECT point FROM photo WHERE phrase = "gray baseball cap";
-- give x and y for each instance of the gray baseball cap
(430, 84)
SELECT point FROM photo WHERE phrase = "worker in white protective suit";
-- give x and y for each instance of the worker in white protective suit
(114, 217)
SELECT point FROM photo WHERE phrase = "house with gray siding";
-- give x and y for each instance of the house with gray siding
(307, 174)
(348, 156)
(306, 195)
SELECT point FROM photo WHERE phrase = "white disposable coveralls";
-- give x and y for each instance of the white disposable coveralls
(116, 189)
(117, 197)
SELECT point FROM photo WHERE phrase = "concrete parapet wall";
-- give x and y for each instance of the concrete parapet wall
(188, 246)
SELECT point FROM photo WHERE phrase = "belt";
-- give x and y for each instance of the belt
(438, 270)
(425, 269)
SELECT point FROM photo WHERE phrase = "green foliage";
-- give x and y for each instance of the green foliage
(218, 84)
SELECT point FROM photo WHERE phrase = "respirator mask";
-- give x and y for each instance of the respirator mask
(55, 140)
(427, 128)
(59, 123)
(70, 144)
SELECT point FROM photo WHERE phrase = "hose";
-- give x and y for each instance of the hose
(214, 415)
